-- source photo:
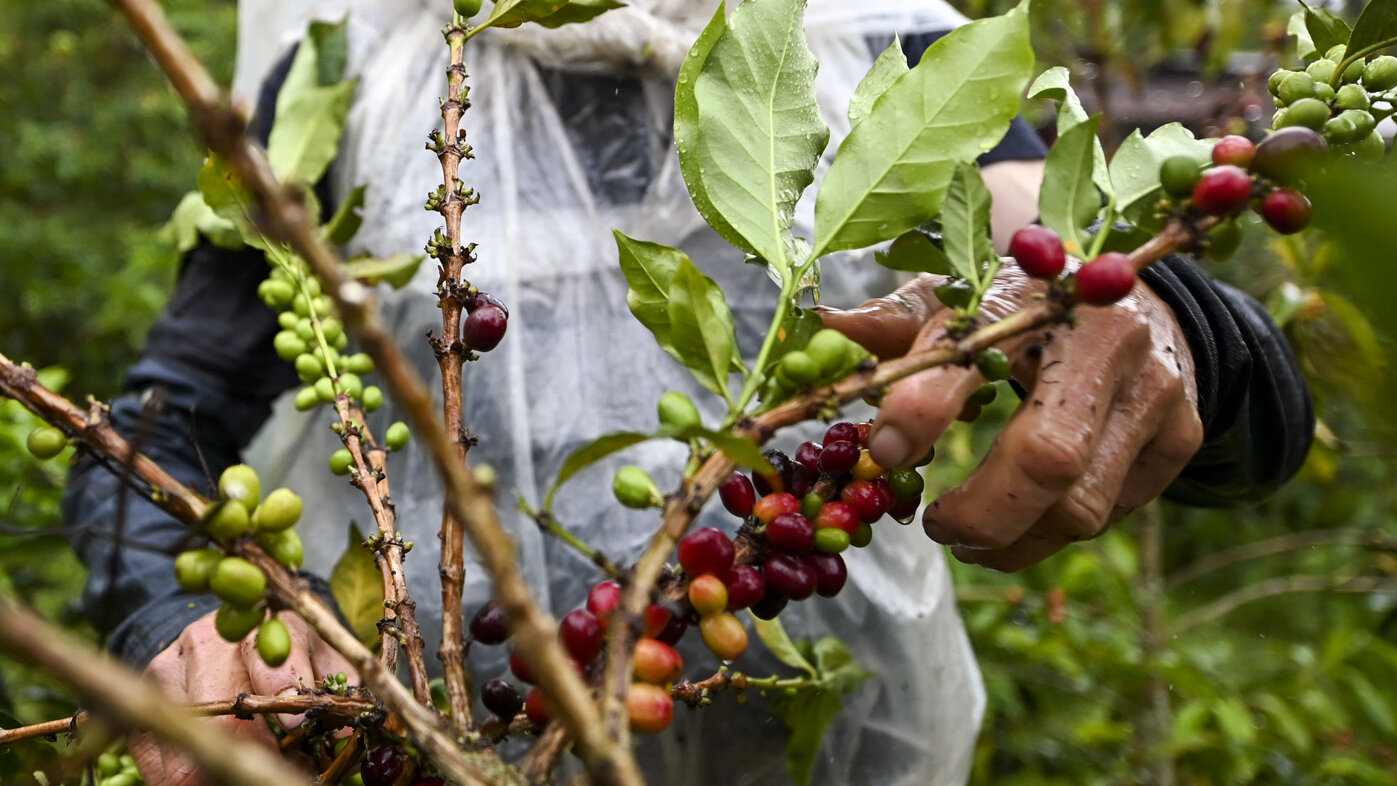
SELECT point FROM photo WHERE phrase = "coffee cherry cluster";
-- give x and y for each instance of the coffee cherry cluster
(117, 769)
(1039, 251)
(1344, 107)
(241, 585)
(827, 356)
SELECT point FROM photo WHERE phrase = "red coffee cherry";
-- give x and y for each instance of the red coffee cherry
(707, 550)
(1235, 150)
(1106, 279)
(724, 635)
(830, 574)
(866, 499)
(488, 624)
(1286, 210)
(1039, 251)
(657, 662)
(580, 633)
(501, 698)
(657, 620)
(838, 514)
(1222, 190)
(483, 328)
(772, 505)
(536, 708)
(745, 586)
(738, 495)
(773, 482)
(842, 432)
(808, 455)
(790, 576)
(839, 456)
(791, 533)
(1289, 155)
(650, 708)
(519, 668)
(603, 600)
(708, 595)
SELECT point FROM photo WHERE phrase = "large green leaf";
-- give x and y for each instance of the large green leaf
(1069, 199)
(649, 269)
(347, 219)
(1135, 167)
(192, 218)
(889, 66)
(914, 252)
(1304, 44)
(701, 327)
(751, 130)
(358, 588)
(224, 194)
(1056, 84)
(397, 270)
(310, 110)
(1376, 25)
(807, 714)
(578, 11)
(512, 13)
(965, 223)
(892, 171)
(1326, 29)
(589, 454)
(773, 635)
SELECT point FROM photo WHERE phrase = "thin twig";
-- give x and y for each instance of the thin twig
(544, 754)
(1279, 545)
(1279, 586)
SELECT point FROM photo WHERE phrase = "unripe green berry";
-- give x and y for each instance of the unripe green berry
(306, 399)
(1336, 53)
(800, 368)
(275, 292)
(285, 547)
(288, 345)
(467, 8)
(351, 385)
(238, 582)
(234, 623)
(984, 395)
(1370, 148)
(810, 505)
(301, 305)
(331, 329)
(1380, 73)
(1178, 175)
(906, 483)
(1295, 87)
(1224, 240)
(397, 436)
(193, 569)
(1324, 92)
(634, 488)
(1352, 97)
(312, 285)
(993, 364)
(1354, 72)
(341, 461)
(227, 520)
(830, 349)
(372, 398)
(1307, 112)
(1273, 85)
(287, 320)
(1322, 70)
(273, 642)
(359, 363)
(954, 294)
(45, 442)
(305, 330)
(1362, 120)
(280, 510)
(831, 540)
(240, 484)
(308, 368)
(677, 412)
(862, 536)
(325, 389)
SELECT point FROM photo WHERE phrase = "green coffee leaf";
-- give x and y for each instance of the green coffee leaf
(1326, 30)
(192, 218)
(1135, 167)
(589, 454)
(839, 671)
(358, 588)
(1375, 701)
(965, 223)
(701, 328)
(578, 11)
(347, 219)
(1376, 25)
(306, 135)
(773, 635)
(750, 133)
(808, 715)
(741, 450)
(512, 13)
(1069, 199)
(649, 269)
(1235, 720)
(397, 270)
(892, 171)
(914, 251)
(889, 66)
(1304, 44)
(331, 43)
(1056, 84)
(224, 193)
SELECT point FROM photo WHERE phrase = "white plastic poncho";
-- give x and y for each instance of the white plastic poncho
(572, 133)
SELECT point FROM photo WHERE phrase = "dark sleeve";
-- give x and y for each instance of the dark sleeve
(1258, 420)
(211, 359)
(1021, 143)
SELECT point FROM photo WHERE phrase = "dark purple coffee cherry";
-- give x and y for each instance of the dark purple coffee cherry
(382, 766)
(790, 576)
(839, 456)
(488, 625)
(483, 328)
(830, 573)
(501, 698)
(791, 533)
(771, 605)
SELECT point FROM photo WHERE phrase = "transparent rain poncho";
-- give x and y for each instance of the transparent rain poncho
(571, 130)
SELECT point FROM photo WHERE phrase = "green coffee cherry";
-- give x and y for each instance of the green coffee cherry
(238, 582)
(1225, 240)
(233, 623)
(227, 520)
(677, 411)
(341, 461)
(275, 292)
(831, 540)
(1354, 72)
(397, 436)
(1178, 175)
(124, 778)
(800, 368)
(1307, 112)
(1340, 130)
(634, 488)
(1324, 92)
(984, 395)
(305, 330)
(193, 569)
(288, 345)
(45, 442)
(862, 536)
(1380, 73)
(287, 320)
(1352, 97)
(331, 329)
(240, 484)
(301, 305)
(830, 349)
(306, 399)
(1273, 85)
(372, 398)
(1362, 120)
(285, 547)
(467, 8)
(108, 764)
(1295, 87)
(351, 385)
(325, 389)
(906, 483)
(1322, 70)
(1371, 148)
(308, 368)
(359, 363)
(993, 364)
(1336, 53)
(810, 505)
(280, 510)
(273, 642)
(954, 294)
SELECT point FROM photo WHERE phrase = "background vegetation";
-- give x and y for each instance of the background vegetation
(1123, 660)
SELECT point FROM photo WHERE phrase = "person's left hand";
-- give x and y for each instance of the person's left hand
(1110, 418)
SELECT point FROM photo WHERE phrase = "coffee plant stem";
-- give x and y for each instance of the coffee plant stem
(544, 754)
(535, 631)
(1298, 541)
(131, 701)
(346, 759)
(1271, 588)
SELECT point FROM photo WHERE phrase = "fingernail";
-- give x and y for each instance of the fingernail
(290, 721)
(889, 447)
(823, 309)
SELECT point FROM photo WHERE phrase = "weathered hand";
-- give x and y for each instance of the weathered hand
(201, 666)
(1110, 419)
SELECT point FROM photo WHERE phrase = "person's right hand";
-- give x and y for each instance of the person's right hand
(201, 666)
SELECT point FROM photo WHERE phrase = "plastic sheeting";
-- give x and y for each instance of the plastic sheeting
(571, 130)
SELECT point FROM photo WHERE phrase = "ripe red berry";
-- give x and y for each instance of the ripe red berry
(1039, 251)
(657, 662)
(772, 505)
(650, 708)
(842, 432)
(519, 668)
(488, 625)
(838, 514)
(382, 766)
(772, 482)
(603, 600)
(830, 573)
(839, 456)
(708, 595)
(536, 707)
(1235, 150)
(580, 633)
(1106, 279)
(483, 328)
(657, 619)
(808, 454)
(790, 576)
(501, 698)
(707, 550)
(866, 499)
(738, 495)
(745, 586)
(1222, 190)
(865, 429)
(1286, 210)
(791, 533)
